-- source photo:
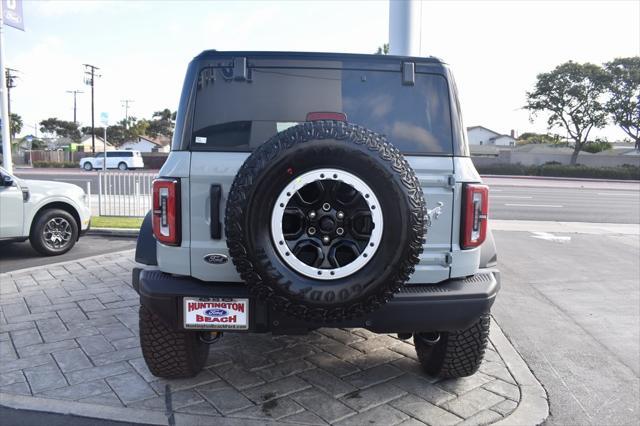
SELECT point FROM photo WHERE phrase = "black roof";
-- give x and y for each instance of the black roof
(211, 54)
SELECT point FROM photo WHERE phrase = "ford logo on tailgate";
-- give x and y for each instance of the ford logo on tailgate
(215, 312)
(216, 259)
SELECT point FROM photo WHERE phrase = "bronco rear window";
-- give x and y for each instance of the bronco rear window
(239, 115)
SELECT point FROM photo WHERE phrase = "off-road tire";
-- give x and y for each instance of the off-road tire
(168, 353)
(457, 353)
(309, 146)
(36, 238)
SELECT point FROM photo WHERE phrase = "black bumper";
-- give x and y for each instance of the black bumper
(84, 232)
(452, 305)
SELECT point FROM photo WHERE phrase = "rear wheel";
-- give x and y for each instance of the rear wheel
(453, 354)
(87, 166)
(54, 232)
(122, 166)
(168, 353)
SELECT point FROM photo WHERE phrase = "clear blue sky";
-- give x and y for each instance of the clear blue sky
(495, 48)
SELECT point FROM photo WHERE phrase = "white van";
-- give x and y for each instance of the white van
(122, 160)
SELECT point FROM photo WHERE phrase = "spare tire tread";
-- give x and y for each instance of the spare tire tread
(238, 203)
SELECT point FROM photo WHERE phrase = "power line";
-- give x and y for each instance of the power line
(89, 80)
(75, 93)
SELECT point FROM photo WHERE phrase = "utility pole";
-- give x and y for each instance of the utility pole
(75, 93)
(89, 79)
(125, 104)
(11, 83)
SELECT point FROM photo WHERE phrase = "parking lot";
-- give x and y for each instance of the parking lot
(571, 308)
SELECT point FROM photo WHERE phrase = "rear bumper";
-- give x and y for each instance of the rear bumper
(451, 305)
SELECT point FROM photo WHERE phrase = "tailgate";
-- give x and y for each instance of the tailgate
(434, 174)
(209, 168)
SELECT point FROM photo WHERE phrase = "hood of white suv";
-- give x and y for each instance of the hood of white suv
(51, 188)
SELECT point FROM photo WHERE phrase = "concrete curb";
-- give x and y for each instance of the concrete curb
(114, 232)
(560, 178)
(533, 407)
(118, 414)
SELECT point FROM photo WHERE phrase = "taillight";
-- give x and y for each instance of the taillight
(166, 211)
(316, 116)
(475, 215)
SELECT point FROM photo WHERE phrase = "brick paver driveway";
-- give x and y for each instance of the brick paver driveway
(70, 332)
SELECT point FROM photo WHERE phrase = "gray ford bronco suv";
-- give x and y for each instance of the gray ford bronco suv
(308, 190)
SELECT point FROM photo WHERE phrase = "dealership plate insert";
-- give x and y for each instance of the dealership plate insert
(216, 313)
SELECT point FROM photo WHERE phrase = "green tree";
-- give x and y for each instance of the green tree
(123, 131)
(162, 123)
(138, 127)
(623, 84)
(572, 96)
(384, 50)
(538, 138)
(60, 128)
(16, 125)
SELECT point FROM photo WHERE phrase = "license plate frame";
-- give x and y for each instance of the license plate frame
(215, 313)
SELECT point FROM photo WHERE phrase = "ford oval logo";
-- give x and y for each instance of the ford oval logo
(215, 312)
(216, 259)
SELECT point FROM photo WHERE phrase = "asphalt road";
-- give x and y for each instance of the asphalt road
(511, 199)
(21, 255)
(572, 309)
(564, 204)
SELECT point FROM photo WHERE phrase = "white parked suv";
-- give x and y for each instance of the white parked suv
(121, 160)
(52, 215)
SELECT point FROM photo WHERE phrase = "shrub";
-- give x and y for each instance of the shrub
(625, 172)
(56, 164)
(598, 145)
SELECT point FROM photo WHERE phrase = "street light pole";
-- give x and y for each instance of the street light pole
(405, 27)
(4, 111)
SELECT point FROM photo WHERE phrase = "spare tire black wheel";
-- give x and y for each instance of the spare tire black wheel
(325, 221)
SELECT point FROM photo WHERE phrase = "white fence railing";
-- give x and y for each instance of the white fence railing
(124, 193)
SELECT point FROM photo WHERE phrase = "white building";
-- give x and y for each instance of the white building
(479, 135)
(148, 144)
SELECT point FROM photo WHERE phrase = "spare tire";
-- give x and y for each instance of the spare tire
(325, 221)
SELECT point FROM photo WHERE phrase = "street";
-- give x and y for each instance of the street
(564, 200)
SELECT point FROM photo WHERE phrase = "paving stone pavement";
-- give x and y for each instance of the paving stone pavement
(70, 332)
